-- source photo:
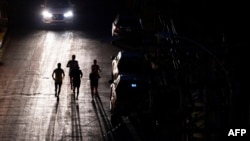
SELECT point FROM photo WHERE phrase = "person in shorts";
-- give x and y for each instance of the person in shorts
(72, 64)
(58, 75)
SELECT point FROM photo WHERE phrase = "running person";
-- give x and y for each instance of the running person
(58, 75)
(95, 68)
(94, 77)
(72, 64)
(77, 75)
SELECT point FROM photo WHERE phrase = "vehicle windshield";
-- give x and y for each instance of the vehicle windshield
(57, 3)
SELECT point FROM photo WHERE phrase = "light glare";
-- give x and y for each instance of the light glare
(47, 14)
(68, 14)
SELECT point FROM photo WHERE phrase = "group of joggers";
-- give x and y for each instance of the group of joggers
(75, 75)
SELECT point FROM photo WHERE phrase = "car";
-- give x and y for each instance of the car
(128, 93)
(57, 11)
(129, 63)
(127, 25)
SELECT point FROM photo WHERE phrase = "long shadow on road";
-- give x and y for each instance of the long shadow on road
(111, 132)
(50, 135)
(76, 123)
(102, 119)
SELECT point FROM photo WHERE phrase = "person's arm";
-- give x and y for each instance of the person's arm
(63, 74)
(68, 64)
(81, 74)
(53, 75)
(99, 69)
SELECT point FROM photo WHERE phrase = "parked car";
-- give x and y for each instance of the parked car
(127, 25)
(57, 11)
(128, 63)
(128, 94)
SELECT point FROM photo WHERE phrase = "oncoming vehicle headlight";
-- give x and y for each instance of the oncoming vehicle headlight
(68, 14)
(46, 14)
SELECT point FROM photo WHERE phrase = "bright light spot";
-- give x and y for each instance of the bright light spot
(46, 14)
(68, 14)
(50, 38)
(133, 85)
(119, 56)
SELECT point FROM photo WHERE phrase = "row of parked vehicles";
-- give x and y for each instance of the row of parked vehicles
(130, 83)
(195, 93)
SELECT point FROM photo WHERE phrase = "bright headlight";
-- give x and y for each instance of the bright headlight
(46, 14)
(68, 14)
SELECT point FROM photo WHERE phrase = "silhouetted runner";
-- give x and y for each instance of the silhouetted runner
(76, 75)
(94, 77)
(73, 63)
(58, 75)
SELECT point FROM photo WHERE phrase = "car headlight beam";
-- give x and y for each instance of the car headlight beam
(46, 14)
(68, 14)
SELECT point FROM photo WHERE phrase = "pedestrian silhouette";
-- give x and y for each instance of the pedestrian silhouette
(94, 78)
(76, 75)
(58, 75)
(95, 68)
(72, 64)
